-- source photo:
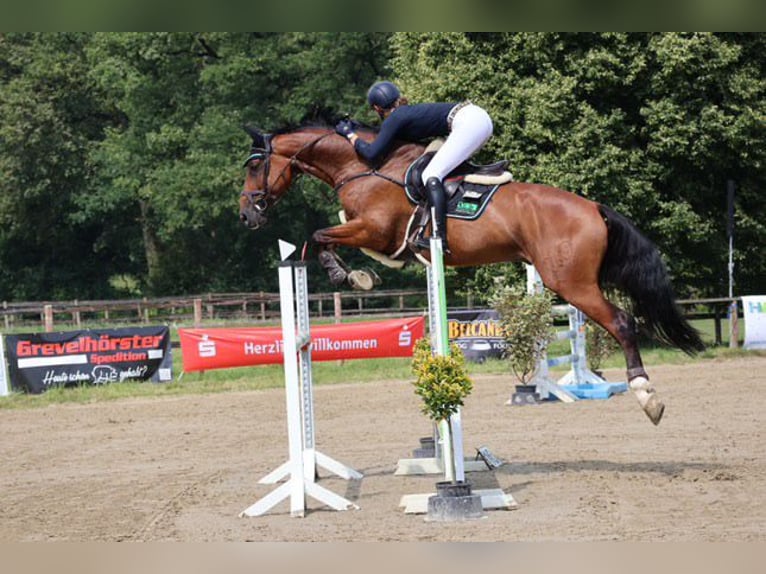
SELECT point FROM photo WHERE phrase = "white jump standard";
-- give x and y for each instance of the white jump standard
(300, 469)
(579, 382)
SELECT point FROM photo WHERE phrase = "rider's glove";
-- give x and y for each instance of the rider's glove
(345, 128)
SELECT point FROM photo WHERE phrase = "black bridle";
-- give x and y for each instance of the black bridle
(262, 199)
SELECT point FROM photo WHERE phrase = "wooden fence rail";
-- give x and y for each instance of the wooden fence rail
(192, 310)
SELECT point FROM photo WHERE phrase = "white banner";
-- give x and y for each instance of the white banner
(755, 321)
(3, 378)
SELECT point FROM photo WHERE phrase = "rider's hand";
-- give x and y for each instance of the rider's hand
(345, 128)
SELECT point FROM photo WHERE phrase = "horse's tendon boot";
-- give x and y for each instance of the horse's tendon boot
(334, 270)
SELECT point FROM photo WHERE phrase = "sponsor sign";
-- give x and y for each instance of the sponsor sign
(207, 349)
(755, 321)
(39, 361)
(477, 332)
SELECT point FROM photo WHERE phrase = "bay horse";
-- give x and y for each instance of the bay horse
(577, 245)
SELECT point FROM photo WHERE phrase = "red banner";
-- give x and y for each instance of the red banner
(207, 349)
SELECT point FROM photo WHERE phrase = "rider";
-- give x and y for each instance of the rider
(466, 125)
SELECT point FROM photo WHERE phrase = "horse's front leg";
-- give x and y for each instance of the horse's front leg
(336, 269)
(352, 234)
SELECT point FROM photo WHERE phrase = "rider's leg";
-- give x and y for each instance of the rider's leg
(438, 200)
(471, 128)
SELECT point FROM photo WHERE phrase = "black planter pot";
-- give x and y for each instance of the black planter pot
(427, 448)
(453, 501)
(450, 489)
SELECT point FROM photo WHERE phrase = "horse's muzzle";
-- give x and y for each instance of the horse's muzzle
(252, 218)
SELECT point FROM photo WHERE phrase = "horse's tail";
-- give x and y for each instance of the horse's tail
(633, 264)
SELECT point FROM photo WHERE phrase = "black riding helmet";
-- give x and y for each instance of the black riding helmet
(383, 94)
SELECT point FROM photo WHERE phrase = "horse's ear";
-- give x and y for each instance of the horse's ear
(259, 141)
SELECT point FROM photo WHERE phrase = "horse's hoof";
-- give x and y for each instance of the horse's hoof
(647, 398)
(654, 408)
(361, 280)
(376, 280)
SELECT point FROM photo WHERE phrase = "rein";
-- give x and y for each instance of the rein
(373, 173)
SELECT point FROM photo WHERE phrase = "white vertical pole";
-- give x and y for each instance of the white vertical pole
(452, 442)
(3, 377)
(534, 281)
(292, 390)
(304, 362)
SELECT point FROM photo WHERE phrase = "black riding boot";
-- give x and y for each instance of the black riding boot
(437, 197)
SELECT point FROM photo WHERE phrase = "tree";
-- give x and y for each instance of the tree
(175, 159)
(651, 124)
(49, 117)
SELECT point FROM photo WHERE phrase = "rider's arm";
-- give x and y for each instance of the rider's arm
(375, 150)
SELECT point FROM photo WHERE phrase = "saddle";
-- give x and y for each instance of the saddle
(469, 187)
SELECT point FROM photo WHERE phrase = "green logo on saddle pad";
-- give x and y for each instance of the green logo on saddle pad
(467, 207)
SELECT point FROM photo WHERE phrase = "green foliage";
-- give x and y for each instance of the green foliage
(441, 381)
(527, 323)
(600, 345)
(653, 124)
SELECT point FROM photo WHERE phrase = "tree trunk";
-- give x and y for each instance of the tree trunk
(151, 246)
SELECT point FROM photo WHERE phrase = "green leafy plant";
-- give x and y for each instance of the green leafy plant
(527, 325)
(599, 343)
(441, 381)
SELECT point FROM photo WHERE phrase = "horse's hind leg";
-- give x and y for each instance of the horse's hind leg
(622, 327)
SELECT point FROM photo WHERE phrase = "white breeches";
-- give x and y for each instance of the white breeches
(471, 128)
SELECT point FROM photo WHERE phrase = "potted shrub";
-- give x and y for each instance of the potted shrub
(442, 383)
(527, 324)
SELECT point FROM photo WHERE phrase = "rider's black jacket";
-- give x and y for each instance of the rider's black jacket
(409, 123)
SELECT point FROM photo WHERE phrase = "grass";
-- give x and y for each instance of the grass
(326, 373)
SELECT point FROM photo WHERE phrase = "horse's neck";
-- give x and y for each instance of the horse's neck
(333, 160)
(321, 154)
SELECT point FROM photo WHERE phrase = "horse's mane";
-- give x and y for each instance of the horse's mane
(321, 124)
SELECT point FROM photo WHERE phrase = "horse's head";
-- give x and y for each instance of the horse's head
(268, 177)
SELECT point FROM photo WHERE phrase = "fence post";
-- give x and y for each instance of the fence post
(6, 317)
(734, 325)
(338, 306)
(263, 306)
(48, 318)
(197, 313)
(76, 315)
(717, 323)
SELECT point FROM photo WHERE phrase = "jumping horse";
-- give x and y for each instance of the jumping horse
(578, 246)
